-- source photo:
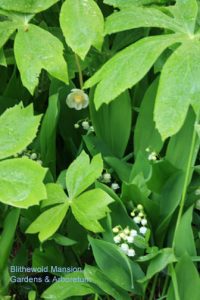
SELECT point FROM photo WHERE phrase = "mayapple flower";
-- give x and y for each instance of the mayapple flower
(131, 252)
(77, 99)
(85, 125)
(130, 239)
(152, 156)
(143, 230)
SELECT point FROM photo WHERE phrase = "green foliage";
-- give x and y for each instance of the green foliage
(99, 149)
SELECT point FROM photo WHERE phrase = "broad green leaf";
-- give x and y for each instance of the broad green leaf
(97, 277)
(109, 123)
(21, 182)
(36, 49)
(6, 29)
(49, 221)
(82, 24)
(63, 240)
(185, 12)
(159, 262)
(140, 17)
(55, 195)
(136, 60)
(175, 91)
(81, 173)
(184, 238)
(145, 134)
(113, 263)
(26, 6)
(3, 61)
(187, 279)
(91, 207)
(32, 295)
(18, 127)
(128, 3)
(69, 288)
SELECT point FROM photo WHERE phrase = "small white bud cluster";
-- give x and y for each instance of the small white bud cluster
(115, 186)
(139, 217)
(152, 156)
(85, 125)
(29, 154)
(125, 237)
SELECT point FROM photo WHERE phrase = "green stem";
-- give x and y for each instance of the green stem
(153, 288)
(79, 71)
(165, 285)
(174, 281)
(187, 176)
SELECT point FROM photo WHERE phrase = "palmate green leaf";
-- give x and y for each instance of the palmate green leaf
(49, 221)
(91, 207)
(178, 87)
(97, 277)
(136, 60)
(140, 17)
(187, 279)
(6, 29)
(184, 238)
(109, 123)
(82, 24)
(185, 12)
(18, 127)
(81, 173)
(21, 182)
(55, 195)
(26, 6)
(113, 262)
(64, 290)
(127, 3)
(36, 49)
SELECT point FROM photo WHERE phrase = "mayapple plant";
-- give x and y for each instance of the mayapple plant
(99, 149)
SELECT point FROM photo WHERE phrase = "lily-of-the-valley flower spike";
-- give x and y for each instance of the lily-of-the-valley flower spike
(77, 99)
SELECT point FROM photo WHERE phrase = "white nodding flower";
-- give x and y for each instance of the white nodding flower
(130, 239)
(147, 149)
(123, 235)
(85, 125)
(117, 239)
(137, 220)
(143, 230)
(197, 205)
(77, 99)
(144, 222)
(115, 229)
(132, 214)
(107, 177)
(91, 128)
(39, 162)
(33, 156)
(140, 207)
(115, 186)
(141, 214)
(124, 247)
(133, 233)
(197, 192)
(126, 230)
(152, 156)
(76, 125)
(131, 252)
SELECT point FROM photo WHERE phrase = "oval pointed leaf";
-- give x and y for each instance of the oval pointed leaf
(18, 127)
(136, 60)
(82, 24)
(6, 29)
(26, 6)
(185, 12)
(21, 182)
(178, 87)
(37, 49)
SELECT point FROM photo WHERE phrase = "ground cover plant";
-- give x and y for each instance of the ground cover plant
(99, 149)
